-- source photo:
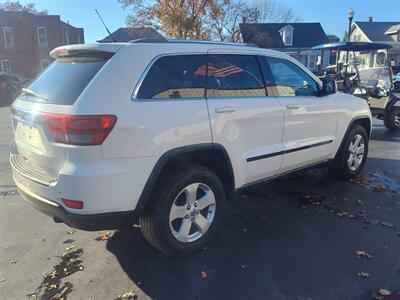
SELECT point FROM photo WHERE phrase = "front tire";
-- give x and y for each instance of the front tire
(352, 155)
(185, 210)
(392, 119)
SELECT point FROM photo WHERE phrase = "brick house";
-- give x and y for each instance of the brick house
(26, 40)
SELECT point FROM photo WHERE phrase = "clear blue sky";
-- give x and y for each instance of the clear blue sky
(332, 14)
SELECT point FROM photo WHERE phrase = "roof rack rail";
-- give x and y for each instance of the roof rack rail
(149, 40)
(177, 41)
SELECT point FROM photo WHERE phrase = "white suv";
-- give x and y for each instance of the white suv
(166, 131)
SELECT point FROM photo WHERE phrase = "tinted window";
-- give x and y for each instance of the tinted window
(178, 76)
(291, 80)
(234, 75)
(64, 80)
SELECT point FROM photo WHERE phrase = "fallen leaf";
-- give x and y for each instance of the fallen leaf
(32, 295)
(71, 231)
(127, 296)
(363, 274)
(362, 254)
(53, 275)
(53, 286)
(385, 292)
(104, 236)
(70, 247)
(2, 280)
(203, 274)
(13, 262)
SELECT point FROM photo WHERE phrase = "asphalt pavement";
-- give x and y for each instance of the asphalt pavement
(305, 236)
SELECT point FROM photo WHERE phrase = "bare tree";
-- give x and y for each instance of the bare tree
(273, 12)
(226, 25)
(17, 6)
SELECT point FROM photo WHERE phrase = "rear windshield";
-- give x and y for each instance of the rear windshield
(63, 81)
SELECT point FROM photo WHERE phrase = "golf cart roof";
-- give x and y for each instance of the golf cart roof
(352, 46)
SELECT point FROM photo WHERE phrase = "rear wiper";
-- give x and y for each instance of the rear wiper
(32, 93)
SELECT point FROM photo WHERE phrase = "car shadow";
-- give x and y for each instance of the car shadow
(272, 245)
(381, 133)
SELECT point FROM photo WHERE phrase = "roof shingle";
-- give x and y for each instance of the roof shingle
(266, 35)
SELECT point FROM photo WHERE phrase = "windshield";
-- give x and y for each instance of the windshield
(64, 80)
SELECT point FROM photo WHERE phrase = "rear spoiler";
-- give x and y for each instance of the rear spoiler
(96, 50)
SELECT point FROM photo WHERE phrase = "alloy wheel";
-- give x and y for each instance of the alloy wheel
(356, 152)
(192, 212)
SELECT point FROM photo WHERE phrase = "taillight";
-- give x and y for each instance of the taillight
(79, 130)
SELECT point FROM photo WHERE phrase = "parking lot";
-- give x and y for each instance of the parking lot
(307, 236)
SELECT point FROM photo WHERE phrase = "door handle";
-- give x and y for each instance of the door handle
(292, 106)
(221, 110)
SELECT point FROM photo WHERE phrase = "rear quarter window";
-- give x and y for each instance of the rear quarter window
(64, 80)
(177, 76)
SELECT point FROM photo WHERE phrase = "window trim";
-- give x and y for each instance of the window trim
(319, 87)
(4, 37)
(38, 38)
(1, 64)
(147, 70)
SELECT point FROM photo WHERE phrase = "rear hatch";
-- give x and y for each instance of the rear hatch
(46, 130)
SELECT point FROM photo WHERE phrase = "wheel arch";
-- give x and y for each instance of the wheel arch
(363, 120)
(212, 156)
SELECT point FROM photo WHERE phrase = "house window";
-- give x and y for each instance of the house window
(44, 63)
(5, 66)
(42, 36)
(288, 37)
(311, 61)
(8, 36)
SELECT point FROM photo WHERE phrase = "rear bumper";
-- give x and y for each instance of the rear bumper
(90, 222)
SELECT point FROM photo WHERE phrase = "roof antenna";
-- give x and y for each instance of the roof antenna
(109, 33)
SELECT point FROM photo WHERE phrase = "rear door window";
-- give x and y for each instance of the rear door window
(232, 75)
(177, 76)
(64, 80)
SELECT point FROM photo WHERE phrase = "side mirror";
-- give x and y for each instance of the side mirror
(328, 87)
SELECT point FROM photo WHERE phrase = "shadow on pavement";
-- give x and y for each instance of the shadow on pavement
(272, 246)
(381, 133)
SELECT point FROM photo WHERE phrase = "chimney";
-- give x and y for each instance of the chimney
(370, 19)
(243, 20)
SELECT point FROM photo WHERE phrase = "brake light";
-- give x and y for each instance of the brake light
(79, 130)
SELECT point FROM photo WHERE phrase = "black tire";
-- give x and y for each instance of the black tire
(390, 119)
(340, 166)
(155, 223)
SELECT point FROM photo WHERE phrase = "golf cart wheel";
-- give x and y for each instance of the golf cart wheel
(353, 153)
(185, 210)
(392, 119)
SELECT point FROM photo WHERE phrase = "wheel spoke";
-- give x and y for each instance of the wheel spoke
(191, 193)
(356, 162)
(360, 149)
(205, 201)
(183, 233)
(350, 160)
(201, 223)
(178, 212)
(357, 140)
(351, 147)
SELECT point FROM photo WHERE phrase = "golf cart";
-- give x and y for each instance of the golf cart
(374, 84)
